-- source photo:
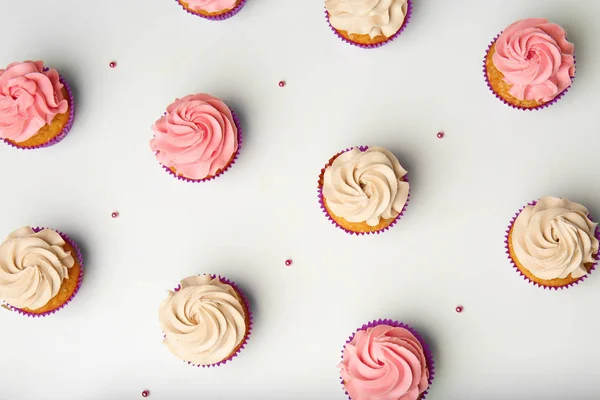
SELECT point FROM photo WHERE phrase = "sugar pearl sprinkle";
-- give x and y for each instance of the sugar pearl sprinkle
(115, 214)
(459, 309)
(288, 262)
(281, 83)
(112, 64)
(145, 393)
(440, 135)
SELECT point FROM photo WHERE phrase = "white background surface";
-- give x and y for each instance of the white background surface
(512, 341)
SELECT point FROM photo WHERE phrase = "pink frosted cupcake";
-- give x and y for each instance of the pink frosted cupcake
(206, 320)
(215, 10)
(386, 360)
(530, 65)
(36, 105)
(197, 139)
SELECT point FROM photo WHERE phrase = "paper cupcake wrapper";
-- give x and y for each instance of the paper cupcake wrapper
(250, 322)
(374, 46)
(67, 239)
(219, 17)
(396, 324)
(66, 128)
(236, 121)
(577, 282)
(541, 106)
(334, 222)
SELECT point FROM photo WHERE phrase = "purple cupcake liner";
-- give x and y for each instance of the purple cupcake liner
(334, 222)
(236, 121)
(525, 277)
(374, 46)
(396, 324)
(66, 128)
(67, 239)
(541, 106)
(219, 17)
(250, 322)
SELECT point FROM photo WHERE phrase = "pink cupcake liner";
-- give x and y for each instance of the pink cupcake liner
(334, 222)
(374, 46)
(250, 319)
(219, 17)
(577, 282)
(541, 106)
(67, 239)
(236, 121)
(396, 324)
(66, 128)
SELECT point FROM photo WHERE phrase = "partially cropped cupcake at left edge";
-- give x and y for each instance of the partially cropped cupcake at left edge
(36, 105)
(212, 9)
(553, 243)
(386, 360)
(363, 190)
(197, 139)
(368, 23)
(531, 64)
(40, 271)
(206, 320)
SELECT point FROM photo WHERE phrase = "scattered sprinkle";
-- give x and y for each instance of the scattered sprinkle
(112, 64)
(145, 393)
(459, 309)
(288, 262)
(440, 135)
(115, 214)
(281, 83)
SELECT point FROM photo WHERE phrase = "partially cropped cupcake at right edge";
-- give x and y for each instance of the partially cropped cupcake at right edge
(363, 190)
(531, 64)
(553, 243)
(386, 360)
(368, 23)
(216, 10)
(36, 105)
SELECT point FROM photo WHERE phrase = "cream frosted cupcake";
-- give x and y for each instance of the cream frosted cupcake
(368, 23)
(40, 271)
(197, 139)
(215, 10)
(36, 105)
(206, 320)
(553, 243)
(363, 190)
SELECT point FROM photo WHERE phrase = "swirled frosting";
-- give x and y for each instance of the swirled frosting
(365, 186)
(204, 321)
(197, 136)
(32, 267)
(372, 17)
(29, 99)
(555, 239)
(211, 6)
(384, 363)
(535, 58)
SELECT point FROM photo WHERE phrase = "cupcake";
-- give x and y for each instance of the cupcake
(553, 243)
(36, 105)
(386, 360)
(363, 190)
(368, 23)
(213, 9)
(40, 271)
(197, 139)
(530, 65)
(206, 320)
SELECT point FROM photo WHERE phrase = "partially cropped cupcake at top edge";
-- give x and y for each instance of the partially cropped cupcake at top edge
(363, 190)
(386, 360)
(206, 320)
(553, 243)
(212, 9)
(368, 23)
(36, 105)
(197, 139)
(40, 271)
(531, 64)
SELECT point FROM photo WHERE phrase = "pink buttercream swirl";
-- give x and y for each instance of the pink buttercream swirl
(384, 363)
(197, 136)
(29, 99)
(535, 57)
(211, 6)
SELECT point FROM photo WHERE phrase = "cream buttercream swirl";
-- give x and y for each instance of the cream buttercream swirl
(364, 186)
(372, 17)
(555, 239)
(204, 322)
(33, 267)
